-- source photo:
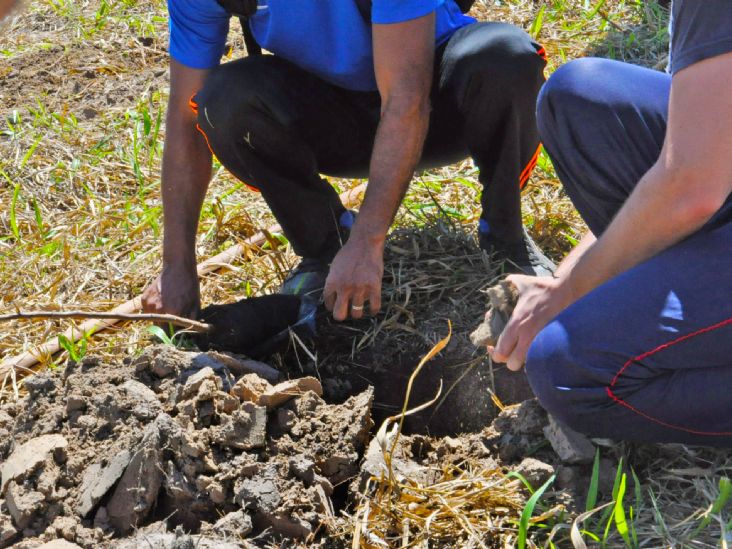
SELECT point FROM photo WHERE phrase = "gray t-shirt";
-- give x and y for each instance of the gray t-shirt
(700, 29)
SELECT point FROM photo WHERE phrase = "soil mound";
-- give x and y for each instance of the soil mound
(172, 440)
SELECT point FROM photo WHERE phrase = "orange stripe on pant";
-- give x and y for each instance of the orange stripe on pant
(524, 177)
(194, 107)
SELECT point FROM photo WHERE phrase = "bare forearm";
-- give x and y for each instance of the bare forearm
(569, 262)
(659, 213)
(185, 178)
(397, 150)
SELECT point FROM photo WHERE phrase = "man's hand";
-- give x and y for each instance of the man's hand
(540, 300)
(175, 291)
(355, 276)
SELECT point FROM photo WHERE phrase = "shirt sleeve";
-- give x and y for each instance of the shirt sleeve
(397, 11)
(198, 30)
(700, 29)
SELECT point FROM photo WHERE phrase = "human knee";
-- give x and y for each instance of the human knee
(232, 94)
(553, 372)
(500, 56)
(566, 95)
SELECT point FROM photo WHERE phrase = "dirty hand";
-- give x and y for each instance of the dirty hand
(175, 291)
(355, 277)
(540, 300)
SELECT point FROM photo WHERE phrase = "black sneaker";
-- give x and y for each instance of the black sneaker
(307, 280)
(523, 257)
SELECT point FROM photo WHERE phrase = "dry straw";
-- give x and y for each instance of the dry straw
(467, 506)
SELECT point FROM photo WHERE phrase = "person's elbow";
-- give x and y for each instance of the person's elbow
(408, 105)
(700, 190)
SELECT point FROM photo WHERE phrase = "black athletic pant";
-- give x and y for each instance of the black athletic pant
(277, 127)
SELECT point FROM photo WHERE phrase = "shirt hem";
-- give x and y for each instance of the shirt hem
(699, 53)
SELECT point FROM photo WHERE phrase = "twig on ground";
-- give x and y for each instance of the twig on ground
(193, 325)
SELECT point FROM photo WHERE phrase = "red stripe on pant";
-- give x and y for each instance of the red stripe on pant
(640, 357)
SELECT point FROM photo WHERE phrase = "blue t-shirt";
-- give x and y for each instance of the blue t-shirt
(328, 38)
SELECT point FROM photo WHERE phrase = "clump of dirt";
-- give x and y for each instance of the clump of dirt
(502, 300)
(108, 455)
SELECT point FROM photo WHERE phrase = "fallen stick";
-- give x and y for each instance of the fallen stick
(194, 325)
(30, 358)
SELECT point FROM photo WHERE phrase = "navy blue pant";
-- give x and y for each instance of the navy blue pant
(648, 355)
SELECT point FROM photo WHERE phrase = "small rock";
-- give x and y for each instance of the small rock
(23, 504)
(374, 465)
(98, 479)
(535, 471)
(287, 526)
(65, 527)
(7, 530)
(303, 468)
(162, 369)
(246, 366)
(235, 525)
(568, 477)
(194, 382)
(282, 392)
(208, 389)
(259, 493)
(570, 446)
(307, 403)
(608, 471)
(250, 388)
(217, 493)
(244, 429)
(226, 403)
(162, 360)
(39, 384)
(27, 457)
(452, 444)
(137, 490)
(147, 405)
(526, 418)
(59, 544)
(285, 419)
(75, 403)
(87, 422)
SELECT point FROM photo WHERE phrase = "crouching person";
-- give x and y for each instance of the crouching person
(354, 88)
(633, 338)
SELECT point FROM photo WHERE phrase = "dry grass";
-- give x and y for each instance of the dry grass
(83, 93)
(465, 506)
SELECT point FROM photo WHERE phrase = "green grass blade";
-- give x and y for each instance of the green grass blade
(725, 490)
(621, 523)
(13, 212)
(30, 151)
(596, 9)
(529, 511)
(594, 483)
(159, 333)
(607, 516)
(633, 533)
(527, 484)
(538, 23)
